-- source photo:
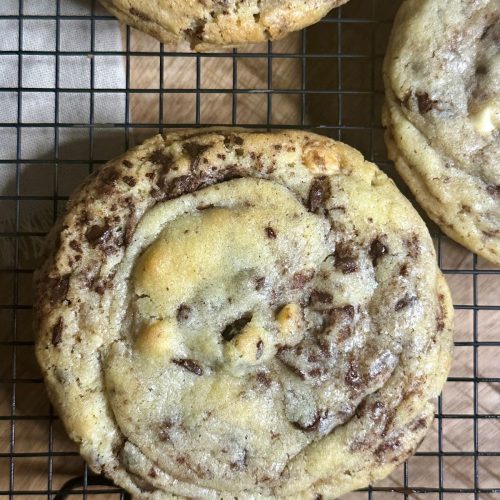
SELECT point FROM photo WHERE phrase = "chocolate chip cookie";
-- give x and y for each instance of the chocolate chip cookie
(228, 313)
(212, 24)
(442, 113)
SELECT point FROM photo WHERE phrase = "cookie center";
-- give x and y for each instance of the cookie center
(216, 285)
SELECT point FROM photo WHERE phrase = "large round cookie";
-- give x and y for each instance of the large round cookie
(224, 313)
(212, 24)
(442, 113)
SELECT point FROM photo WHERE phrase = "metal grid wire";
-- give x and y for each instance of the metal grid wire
(336, 91)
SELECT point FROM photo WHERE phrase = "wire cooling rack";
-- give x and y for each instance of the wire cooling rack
(326, 78)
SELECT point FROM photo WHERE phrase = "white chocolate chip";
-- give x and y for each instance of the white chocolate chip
(486, 118)
(290, 325)
(159, 339)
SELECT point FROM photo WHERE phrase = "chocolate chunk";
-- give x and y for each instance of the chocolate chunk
(127, 163)
(315, 372)
(152, 473)
(404, 302)
(413, 246)
(195, 32)
(194, 149)
(425, 103)
(319, 297)
(300, 278)
(349, 311)
(141, 15)
(377, 250)
(264, 379)
(440, 314)
(189, 365)
(159, 157)
(345, 258)
(270, 232)
(131, 181)
(338, 314)
(314, 426)
(190, 183)
(110, 176)
(324, 347)
(403, 271)
(319, 193)
(417, 424)
(156, 194)
(75, 245)
(259, 283)
(58, 288)
(57, 331)
(313, 358)
(388, 446)
(183, 312)
(98, 234)
(260, 349)
(182, 185)
(233, 329)
(344, 333)
(233, 139)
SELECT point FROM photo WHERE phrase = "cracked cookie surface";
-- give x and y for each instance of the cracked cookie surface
(212, 24)
(229, 313)
(442, 114)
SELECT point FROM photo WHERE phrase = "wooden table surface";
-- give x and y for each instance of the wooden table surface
(32, 436)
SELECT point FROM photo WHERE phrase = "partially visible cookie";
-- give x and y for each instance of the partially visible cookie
(442, 114)
(225, 313)
(212, 24)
